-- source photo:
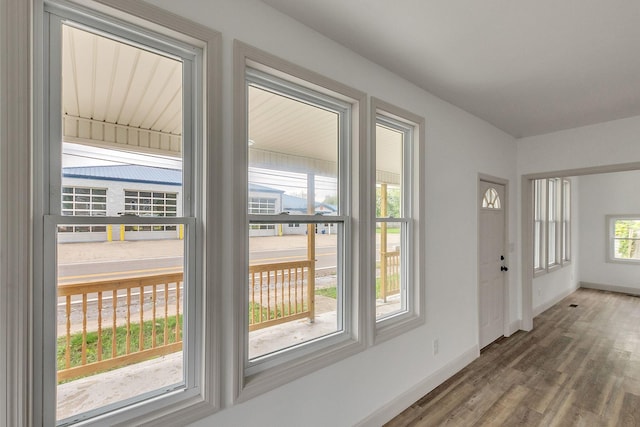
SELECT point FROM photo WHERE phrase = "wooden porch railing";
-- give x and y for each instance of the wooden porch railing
(389, 274)
(105, 304)
(281, 292)
(126, 321)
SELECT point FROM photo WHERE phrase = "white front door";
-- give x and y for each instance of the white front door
(492, 261)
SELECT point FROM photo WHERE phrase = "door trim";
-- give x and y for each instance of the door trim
(505, 290)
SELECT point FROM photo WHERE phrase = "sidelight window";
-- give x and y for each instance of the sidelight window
(397, 286)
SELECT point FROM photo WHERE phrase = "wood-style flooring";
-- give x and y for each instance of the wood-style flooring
(580, 366)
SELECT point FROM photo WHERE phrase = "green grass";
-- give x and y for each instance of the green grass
(256, 317)
(331, 292)
(121, 341)
(390, 230)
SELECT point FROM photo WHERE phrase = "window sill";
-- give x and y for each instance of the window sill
(286, 372)
(394, 326)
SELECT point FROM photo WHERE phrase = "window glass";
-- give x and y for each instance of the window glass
(293, 298)
(391, 222)
(119, 322)
(491, 199)
(566, 220)
(552, 221)
(122, 288)
(295, 288)
(540, 223)
(626, 239)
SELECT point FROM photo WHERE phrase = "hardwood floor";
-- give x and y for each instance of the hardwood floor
(580, 366)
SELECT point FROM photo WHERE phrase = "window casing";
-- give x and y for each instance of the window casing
(623, 239)
(262, 215)
(191, 328)
(328, 182)
(397, 285)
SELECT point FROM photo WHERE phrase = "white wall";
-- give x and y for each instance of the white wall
(459, 147)
(601, 195)
(609, 143)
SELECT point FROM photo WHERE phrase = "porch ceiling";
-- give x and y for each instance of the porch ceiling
(112, 82)
(122, 96)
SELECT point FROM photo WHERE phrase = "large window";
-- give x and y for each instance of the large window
(299, 134)
(552, 223)
(296, 283)
(122, 327)
(624, 238)
(397, 151)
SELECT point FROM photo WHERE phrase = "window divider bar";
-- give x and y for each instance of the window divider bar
(125, 219)
(295, 219)
(402, 219)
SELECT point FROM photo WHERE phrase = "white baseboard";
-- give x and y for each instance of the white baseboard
(547, 305)
(610, 288)
(513, 327)
(402, 402)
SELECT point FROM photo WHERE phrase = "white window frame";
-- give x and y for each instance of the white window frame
(154, 27)
(551, 194)
(610, 236)
(413, 240)
(554, 221)
(282, 367)
(539, 204)
(566, 222)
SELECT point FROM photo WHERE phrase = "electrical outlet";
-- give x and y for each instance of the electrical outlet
(436, 346)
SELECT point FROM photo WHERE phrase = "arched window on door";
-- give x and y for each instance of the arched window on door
(491, 199)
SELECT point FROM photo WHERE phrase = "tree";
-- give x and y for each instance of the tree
(331, 200)
(393, 202)
(626, 233)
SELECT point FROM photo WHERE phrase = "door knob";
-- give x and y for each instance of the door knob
(504, 268)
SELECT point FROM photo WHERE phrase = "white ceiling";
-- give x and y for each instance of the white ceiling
(528, 67)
